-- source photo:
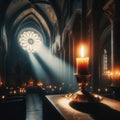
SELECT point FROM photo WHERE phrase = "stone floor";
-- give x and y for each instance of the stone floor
(33, 107)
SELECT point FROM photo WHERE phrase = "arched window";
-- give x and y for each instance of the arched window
(30, 39)
(105, 62)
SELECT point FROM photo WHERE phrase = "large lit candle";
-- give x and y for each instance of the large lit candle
(82, 62)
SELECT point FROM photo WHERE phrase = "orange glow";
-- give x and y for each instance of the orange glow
(39, 84)
(82, 62)
(1, 83)
(14, 91)
(99, 89)
(3, 97)
(31, 82)
(113, 75)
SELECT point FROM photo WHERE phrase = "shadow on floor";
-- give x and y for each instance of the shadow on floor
(98, 111)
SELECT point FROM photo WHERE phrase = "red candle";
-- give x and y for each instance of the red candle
(82, 63)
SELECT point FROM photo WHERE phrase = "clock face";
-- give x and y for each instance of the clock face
(30, 40)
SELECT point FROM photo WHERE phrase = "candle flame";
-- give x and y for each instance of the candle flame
(82, 51)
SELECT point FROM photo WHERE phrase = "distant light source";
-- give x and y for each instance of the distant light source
(30, 40)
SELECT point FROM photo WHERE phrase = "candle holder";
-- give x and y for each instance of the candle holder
(83, 95)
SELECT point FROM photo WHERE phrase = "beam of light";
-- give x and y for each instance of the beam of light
(38, 70)
(53, 67)
(48, 67)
